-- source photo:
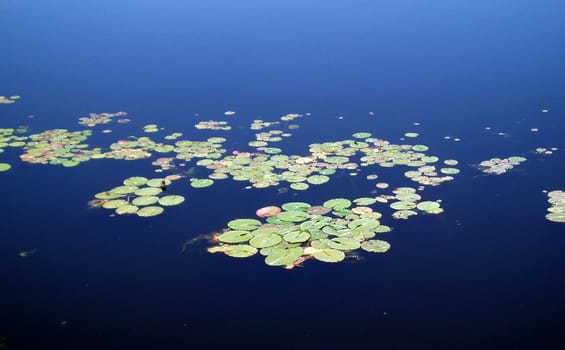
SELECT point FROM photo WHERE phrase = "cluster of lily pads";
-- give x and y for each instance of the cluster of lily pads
(213, 125)
(9, 100)
(59, 147)
(151, 128)
(499, 166)
(138, 195)
(299, 231)
(94, 119)
(259, 124)
(557, 208)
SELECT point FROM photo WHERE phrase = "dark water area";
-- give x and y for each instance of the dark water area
(486, 273)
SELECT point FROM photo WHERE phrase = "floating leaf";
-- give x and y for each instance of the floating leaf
(329, 255)
(344, 243)
(4, 167)
(293, 216)
(337, 203)
(244, 224)
(126, 209)
(375, 246)
(428, 206)
(123, 190)
(145, 200)
(264, 240)
(296, 206)
(148, 191)
(201, 183)
(283, 256)
(235, 236)
(171, 200)
(318, 179)
(150, 211)
(296, 237)
(240, 251)
(135, 181)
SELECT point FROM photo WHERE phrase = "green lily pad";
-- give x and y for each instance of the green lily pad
(283, 256)
(556, 217)
(449, 171)
(296, 206)
(329, 255)
(293, 216)
(126, 209)
(244, 224)
(148, 191)
(318, 179)
(337, 203)
(428, 206)
(150, 211)
(264, 240)
(362, 135)
(299, 186)
(375, 246)
(403, 205)
(297, 237)
(201, 183)
(123, 190)
(157, 182)
(420, 148)
(344, 243)
(115, 203)
(365, 201)
(364, 225)
(4, 167)
(107, 195)
(240, 251)
(235, 236)
(135, 181)
(145, 200)
(171, 200)
(516, 159)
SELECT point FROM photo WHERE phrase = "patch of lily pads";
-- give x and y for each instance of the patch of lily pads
(557, 209)
(499, 166)
(297, 233)
(138, 195)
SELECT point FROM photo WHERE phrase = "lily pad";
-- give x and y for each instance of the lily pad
(344, 243)
(556, 217)
(296, 206)
(240, 251)
(244, 224)
(201, 183)
(375, 246)
(145, 200)
(293, 216)
(283, 256)
(428, 206)
(235, 236)
(171, 200)
(150, 211)
(4, 167)
(127, 209)
(337, 203)
(318, 179)
(135, 181)
(297, 237)
(264, 240)
(329, 255)
(148, 191)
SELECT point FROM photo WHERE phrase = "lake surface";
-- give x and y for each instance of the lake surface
(485, 273)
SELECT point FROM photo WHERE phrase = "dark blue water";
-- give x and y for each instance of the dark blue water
(487, 273)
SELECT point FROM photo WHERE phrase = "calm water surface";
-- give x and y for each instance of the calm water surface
(487, 273)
